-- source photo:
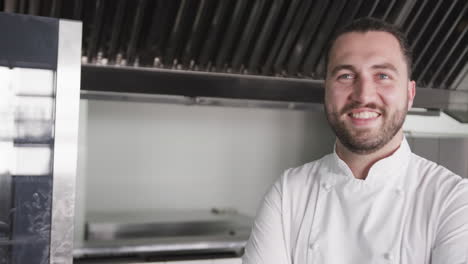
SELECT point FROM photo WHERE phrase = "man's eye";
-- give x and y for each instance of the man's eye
(383, 76)
(345, 76)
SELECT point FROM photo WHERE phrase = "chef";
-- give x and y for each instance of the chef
(372, 200)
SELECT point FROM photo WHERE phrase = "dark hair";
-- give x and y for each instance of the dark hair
(367, 24)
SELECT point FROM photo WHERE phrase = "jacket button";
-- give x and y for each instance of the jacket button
(388, 256)
(399, 191)
(327, 187)
(313, 246)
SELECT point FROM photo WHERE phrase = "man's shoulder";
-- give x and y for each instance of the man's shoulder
(308, 171)
(437, 177)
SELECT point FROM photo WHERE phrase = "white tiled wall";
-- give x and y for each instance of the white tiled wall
(450, 152)
(161, 156)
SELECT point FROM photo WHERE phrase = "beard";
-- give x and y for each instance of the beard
(366, 141)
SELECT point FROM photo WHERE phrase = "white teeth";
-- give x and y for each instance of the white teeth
(364, 115)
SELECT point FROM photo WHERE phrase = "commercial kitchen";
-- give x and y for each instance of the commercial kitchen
(148, 131)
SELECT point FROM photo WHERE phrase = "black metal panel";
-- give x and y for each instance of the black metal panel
(461, 78)
(230, 34)
(125, 33)
(323, 35)
(285, 26)
(32, 41)
(403, 8)
(420, 31)
(33, 7)
(77, 9)
(388, 10)
(163, 12)
(247, 35)
(308, 33)
(265, 35)
(46, 6)
(255, 37)
(193, 84)
(179, 32)
(352, 8)
(447, 56)
(56, 8)
(292, 35)
(197, 84)
(21, 6)
(98, 18)
(136, 29)
(373, 8)
(441, 44)
(197, 34)
(116, 30)
(457, 64)
(10, 6)
(214, 33)
(415, 17)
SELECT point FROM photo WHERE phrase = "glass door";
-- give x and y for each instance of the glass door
(27, 102)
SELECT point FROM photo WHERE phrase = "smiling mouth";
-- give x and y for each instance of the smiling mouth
(364, 115)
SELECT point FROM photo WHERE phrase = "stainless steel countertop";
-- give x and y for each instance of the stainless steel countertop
(163, 232)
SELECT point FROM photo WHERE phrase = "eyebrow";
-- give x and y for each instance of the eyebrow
(388, 66)
(342, 67)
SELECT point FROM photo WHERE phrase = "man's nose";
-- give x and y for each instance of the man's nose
(364, 90)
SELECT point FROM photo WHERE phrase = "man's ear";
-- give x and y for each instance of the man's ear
(411, 93)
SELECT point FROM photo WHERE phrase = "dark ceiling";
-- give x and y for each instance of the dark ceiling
(283, 38)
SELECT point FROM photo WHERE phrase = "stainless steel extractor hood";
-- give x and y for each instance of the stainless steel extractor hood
(252, 49)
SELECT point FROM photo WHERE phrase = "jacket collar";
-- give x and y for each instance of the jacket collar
(383, 172)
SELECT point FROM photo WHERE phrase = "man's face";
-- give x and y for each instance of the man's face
(367, 90)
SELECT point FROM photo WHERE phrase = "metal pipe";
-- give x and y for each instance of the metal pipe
(415, 17)
(454, 66)
(177, 33)
(77, 9)
(214, 33)
(404, 12)
(277, 43)
(459, 79)
(389, 9)
(373, 8)
(426, 24)
(22, 6)
(9, 6)
(155, 39)
(292, 35)
(441, 43)
(322, 36)
(248, 34)
(231, 33)
(309, 31)
(265, 34)
(33, 7)
(197, 33)
(447, 56)
(56, 8)
(96, 30)
(352, 9)
(116, 30)
(136, 29)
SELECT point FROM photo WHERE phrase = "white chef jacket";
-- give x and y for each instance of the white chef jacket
(408, 210)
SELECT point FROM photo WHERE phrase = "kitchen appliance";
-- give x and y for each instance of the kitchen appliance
(39, 99)
(146, 236)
